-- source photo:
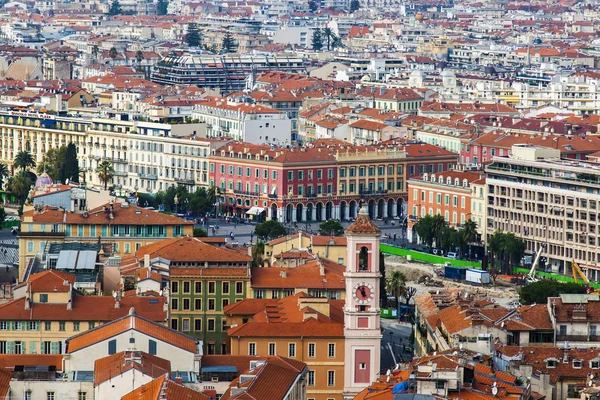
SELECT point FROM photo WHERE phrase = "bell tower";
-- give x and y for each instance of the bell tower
(362, 334)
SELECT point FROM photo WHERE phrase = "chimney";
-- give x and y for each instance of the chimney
(179, 380)
(118, 301)
(283, 274)
(146, 260)
(70, 301)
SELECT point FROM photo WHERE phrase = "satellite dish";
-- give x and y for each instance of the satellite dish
(67, 181)
(160, 293)
(494, 390)
(460, 346)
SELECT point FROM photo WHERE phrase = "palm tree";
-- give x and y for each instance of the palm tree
(438, 223)
(470, 232)
(139, 56)
(3, 173)
(396, 284)
(113, 53)
(514, 248)
(19, 185)
(329, 36)
(24, 160)
(496, 246)
(105, 172)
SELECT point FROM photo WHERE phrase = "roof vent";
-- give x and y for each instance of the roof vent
(138, 212)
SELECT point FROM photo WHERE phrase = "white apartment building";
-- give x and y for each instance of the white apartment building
(244, 122)
(543, 199)
(146, 156)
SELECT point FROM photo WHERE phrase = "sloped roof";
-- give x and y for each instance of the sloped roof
(304, 276)
(162, 388)
(190, 249)
(363, 224)
(116, 364)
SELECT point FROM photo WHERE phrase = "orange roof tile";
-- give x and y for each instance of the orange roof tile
(187, 249)
(164, 388)
(116, 364)
(130, 215)
(304, 276)
(363, 225)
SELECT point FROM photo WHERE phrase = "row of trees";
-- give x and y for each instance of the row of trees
(60, 163)
(193, 38)
(325, 38)
(116, 9)
(435, 228)
(506, 248)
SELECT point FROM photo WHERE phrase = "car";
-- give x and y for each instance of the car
(452, 255)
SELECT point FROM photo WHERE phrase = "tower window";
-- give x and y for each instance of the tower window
(363, 259)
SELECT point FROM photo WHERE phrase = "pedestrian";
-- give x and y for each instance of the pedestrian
(394, 238)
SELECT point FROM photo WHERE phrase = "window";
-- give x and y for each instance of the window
(211, 324)
(186, 304)
(292, 350)
(174, 324)
(225, 303)
(3, 326)
(49, 395)
(272, 349)
(330, 378)
(239, 287)
(259, 294)
(551, 363)
(331, 350)
(32, 325)
(197, 304)
(185, 324)
(174, 304)
(61, 326)
(152, 347)
(440, 384)
(211, 304)
(593, 330)
(311, 350)
(252, 349)
(211, 287)
(577, 364)
(595, 364)
(311, 378)
(112, 346)
(362, 366)
(174, 287)
(82, 396)
(198, 287)
(47, 326)
(198, 324)
(562, 330)
(225, 288)
(43, 298)
(76, 326)
(186, 287)
(91, 325)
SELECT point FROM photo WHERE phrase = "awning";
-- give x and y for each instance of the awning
(255, 211)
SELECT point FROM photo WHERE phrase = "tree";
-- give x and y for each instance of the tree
(113, 53)
(317, 40)
(228, 45)
(354, 5)
(139, 56)
(199, 232)
(53, 162)
(24, 160)
(329, 36)
(2, 216)
(270, 230)
(192, 38)
(494, 272)
(336, 42)
(105, 172)
(409, 293)
(538, 292)
(70, 168)
(95, 51)
(115, 8)
(395, 284)
(496, 247)
(258, 252)
(162, 7)
(4, 172)
(514, 248)
(470, 232)
(331, 227)
(313, 6)
(19, 185)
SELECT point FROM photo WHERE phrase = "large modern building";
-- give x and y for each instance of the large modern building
(226, 73)
(547, 201)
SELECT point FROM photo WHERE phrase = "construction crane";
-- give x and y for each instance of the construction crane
(577, 271)
(531, 276)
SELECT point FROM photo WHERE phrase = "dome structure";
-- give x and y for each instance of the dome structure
(43, 181)
(419, 16)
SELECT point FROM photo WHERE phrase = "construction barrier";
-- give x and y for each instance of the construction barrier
(550, 275)
(427, 258)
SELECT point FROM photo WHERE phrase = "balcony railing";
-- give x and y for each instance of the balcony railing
(148, 176)
(246, 193)
(373, 192)
(120, 173)
(184, 181)
(573, 338)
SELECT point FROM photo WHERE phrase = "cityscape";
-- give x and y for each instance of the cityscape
(315, 200)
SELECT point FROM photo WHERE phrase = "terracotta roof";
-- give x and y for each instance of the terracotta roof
(162, 388)
(368, 125)
(50, 281)
(318, 240)
(5, 377)
(130, 215)
(248, 306)
(363, 224)
(307, 276)
(131, 322)
(85, 308)
(9, 361)
(454, 319)
(116, 364)
(190, 249)
(272, 380)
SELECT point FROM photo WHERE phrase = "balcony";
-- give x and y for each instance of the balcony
(184, 181)
(373, 192)
(246, 193)
(572, 338)
(148, 176)
(272, 196)
(120, 173)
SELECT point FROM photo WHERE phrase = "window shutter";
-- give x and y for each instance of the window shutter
(152, 347)
(23, 347)
(112, 346)
(54, 347)
(42, 347)
(33, 347)
(10, 347)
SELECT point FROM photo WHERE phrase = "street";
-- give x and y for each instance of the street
(395, 344)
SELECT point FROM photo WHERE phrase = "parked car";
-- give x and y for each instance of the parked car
(452, 255)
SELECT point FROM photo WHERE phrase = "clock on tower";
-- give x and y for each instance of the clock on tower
(362, 334)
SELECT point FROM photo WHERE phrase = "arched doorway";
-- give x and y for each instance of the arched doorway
(319, 212)
(399, 209)
(380, 208)
(352, 210)
(299, 213)
(390, 208)
(372, 209)
(274, 212)
(343, 215)
(328, 211)
(309, 212)
(289, 213)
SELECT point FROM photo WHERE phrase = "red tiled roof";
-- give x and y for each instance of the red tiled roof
(130, 215)
(5, 377)
(190, 249)
(164, 388)
(131, 322)
(304, 276)
(363, 225)
(50, 281)
(116, 364)
(9, 361)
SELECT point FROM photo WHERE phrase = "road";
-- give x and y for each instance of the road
(395, 344)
